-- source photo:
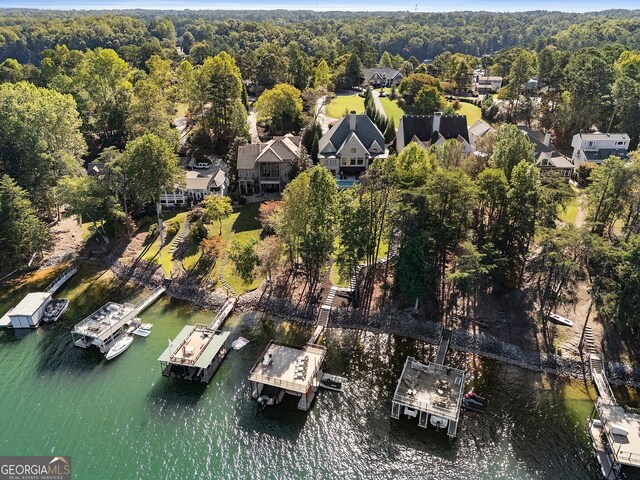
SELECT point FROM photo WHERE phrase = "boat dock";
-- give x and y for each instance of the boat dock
(106, 324)
(195, 353)
(615, 433)
(283, 369)
(432, 392)
(31, 309)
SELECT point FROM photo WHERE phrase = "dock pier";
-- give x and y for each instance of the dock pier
(60, 280)
(198, 350)
(433, 392)
(149, 299)
(615, 433)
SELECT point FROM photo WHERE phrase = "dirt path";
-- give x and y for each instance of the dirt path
(66, 242)
(581, 213)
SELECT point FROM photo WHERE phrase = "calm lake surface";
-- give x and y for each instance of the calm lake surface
(122, 419)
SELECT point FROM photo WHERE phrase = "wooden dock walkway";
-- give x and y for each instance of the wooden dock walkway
(224, 313)
(444, 346)
(60, 280)
(149, 299)
(599, 377)
(323, 315)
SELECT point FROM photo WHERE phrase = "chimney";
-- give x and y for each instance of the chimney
(352, 120)
(436, 121)
(547, 138)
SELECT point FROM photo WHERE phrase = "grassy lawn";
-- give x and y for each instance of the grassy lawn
(164, 258)
(243, 226)
(472, 112)
(392, 109)
(342, 105)
(334, 274)
(569, 214)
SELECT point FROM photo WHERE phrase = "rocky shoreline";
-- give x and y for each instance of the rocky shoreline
(391, 322)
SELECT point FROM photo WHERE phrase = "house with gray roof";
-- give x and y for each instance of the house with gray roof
(596, 147)
(381, 77)
(266, 167)
(350, 146)
(548, 159)
(478, 130)
(428, 130)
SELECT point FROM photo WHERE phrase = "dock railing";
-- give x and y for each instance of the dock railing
(149, 299)
(60, 279)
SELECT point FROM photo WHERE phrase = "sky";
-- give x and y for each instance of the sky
(324, 5)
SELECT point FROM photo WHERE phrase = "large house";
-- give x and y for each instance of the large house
(381, 77)
(267, 166)
(548, 159)
(428, 130)
(596, 147)
(350, 146)
(196, 187)
(485, 84)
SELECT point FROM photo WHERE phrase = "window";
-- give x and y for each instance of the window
(590, 144)
(360, 161)
(345, 161)
(620, 143)
(353, 162)
(352, 150)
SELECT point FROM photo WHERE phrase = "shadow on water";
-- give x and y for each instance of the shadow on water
(283, 421)
(173, 394)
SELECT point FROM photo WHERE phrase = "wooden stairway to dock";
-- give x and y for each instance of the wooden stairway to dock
(599, 377)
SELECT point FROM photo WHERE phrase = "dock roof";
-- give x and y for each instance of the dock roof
(195, 346)
(281, 372)
(431, 388)
(30, 304)
(627, 448)
(102, 323)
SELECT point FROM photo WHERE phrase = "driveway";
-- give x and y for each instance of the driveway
(252, 121)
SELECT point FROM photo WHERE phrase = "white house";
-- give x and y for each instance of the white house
(596, 147)
(29, 312)
(196, 187)
(485, 84)
(267, 166)
(350, 146)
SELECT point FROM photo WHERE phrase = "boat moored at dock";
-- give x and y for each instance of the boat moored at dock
(103, 326)
(119, 346)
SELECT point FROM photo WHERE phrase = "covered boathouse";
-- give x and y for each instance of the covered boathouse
(431, 392)
(288, 369)
(103, 326)
(195, 353)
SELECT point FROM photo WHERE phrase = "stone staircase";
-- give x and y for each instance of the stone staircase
(589, 341)
(223, 263)
(175, 243)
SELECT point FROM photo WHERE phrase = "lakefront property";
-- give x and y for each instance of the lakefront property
(319, 244)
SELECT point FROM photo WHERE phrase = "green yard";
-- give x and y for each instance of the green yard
(472, 112)
(569, 214)
(392, 109)
(343, 104)
(164, 258)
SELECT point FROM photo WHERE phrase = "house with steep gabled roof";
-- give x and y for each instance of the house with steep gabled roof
(195, 188)
(350, 146)
(381, 77)
(478, 130)
(428, 130)
(266, 167)
(548, 159)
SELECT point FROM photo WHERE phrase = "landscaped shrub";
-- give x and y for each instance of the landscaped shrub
(152, 232)
(173, 229)
(197, 232)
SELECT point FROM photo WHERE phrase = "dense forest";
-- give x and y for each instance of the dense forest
(26, 33)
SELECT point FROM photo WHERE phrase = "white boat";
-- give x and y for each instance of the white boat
(143, 330)
(55, 310)
(119, 347)
(560, 319)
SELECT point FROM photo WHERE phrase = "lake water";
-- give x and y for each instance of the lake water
(122, 419)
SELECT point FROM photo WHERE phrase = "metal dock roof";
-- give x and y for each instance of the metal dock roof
(207, 342)
(30, 303)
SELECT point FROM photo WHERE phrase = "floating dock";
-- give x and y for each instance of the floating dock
(198, 350)
(615, 433)
(103, 326)
(195, 354)
(431, 392)
(287, 369)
